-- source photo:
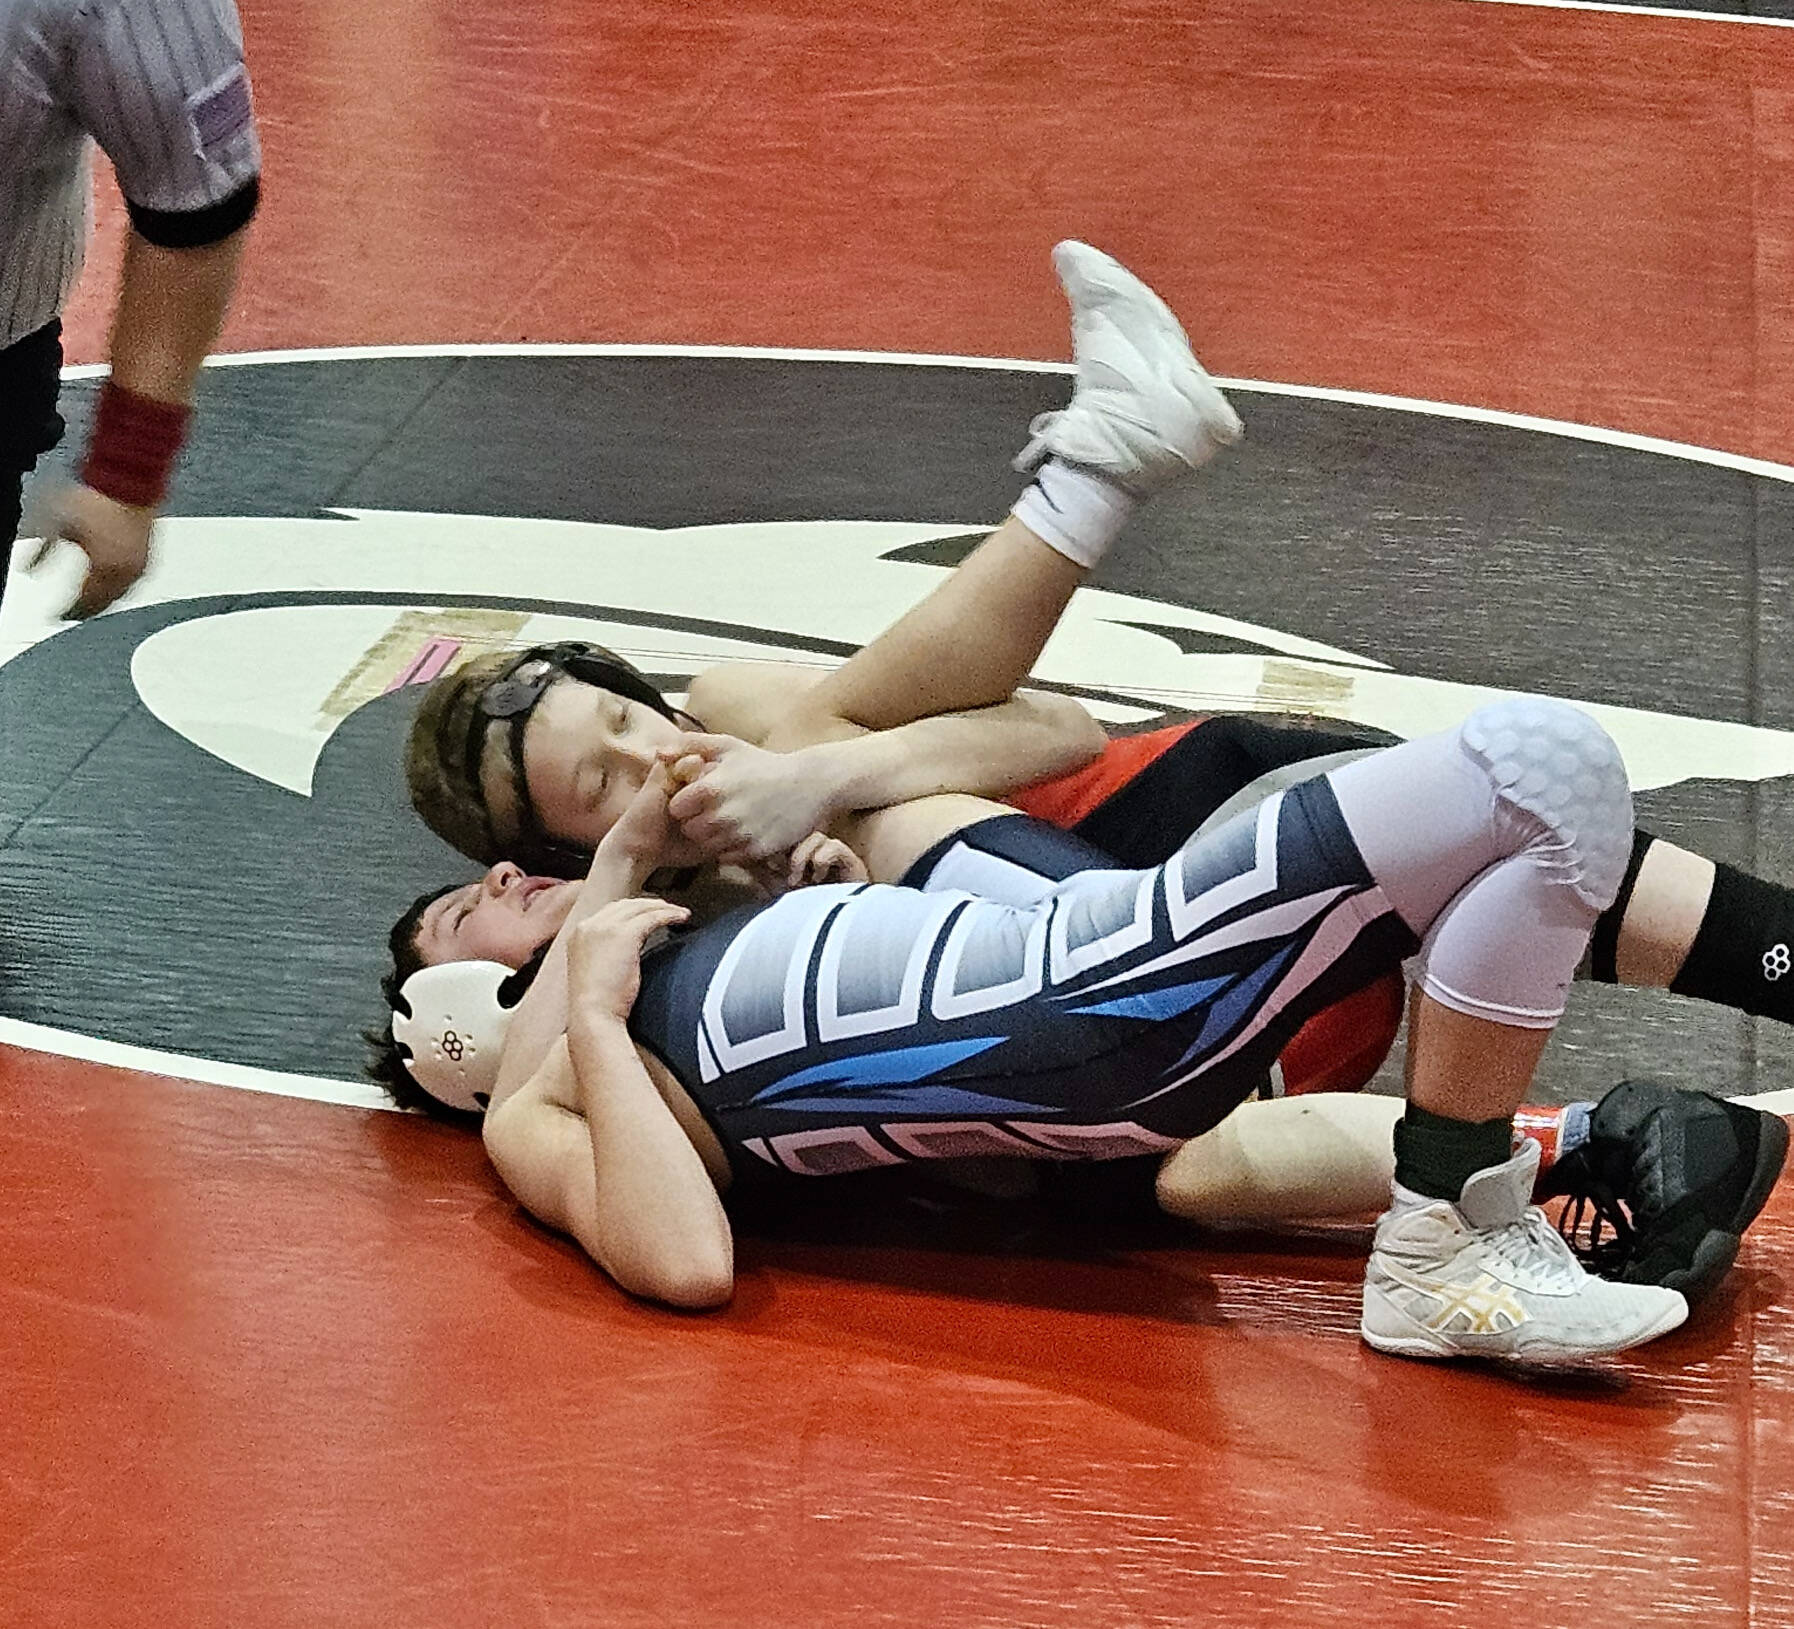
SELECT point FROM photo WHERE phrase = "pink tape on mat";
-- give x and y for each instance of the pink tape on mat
(427, 664)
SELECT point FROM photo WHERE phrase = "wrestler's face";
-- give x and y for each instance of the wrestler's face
(586, 752)
(504, 917)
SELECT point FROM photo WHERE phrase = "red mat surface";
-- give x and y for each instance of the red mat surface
(273, 1363)
(278, 1363)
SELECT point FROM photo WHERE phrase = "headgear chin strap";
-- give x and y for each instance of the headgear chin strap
(511, 698)
(455, 1031)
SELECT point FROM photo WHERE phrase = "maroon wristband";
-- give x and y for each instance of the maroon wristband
(134, 444)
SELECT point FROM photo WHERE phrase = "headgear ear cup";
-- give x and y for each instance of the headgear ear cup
(455, 1030)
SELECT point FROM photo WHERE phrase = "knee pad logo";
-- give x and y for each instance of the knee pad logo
(1776, 963)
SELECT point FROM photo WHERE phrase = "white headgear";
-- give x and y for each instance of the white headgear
(456, 1031)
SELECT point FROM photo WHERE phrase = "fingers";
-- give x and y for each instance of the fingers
(115, 537)
(694, 797)
(692, 751)
(636, 918)
(99, 588)
(650, 800)
(819, 858)
(709, 747)
(802, 857)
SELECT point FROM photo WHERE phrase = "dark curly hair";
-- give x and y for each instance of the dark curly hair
(389, 1066)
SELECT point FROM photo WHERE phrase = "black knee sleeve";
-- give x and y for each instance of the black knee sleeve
(1743, 954)
(1604, 945)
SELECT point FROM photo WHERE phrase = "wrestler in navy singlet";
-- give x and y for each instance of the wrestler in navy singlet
(843, 1026)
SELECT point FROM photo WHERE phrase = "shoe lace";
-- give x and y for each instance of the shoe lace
(1597, 1228)
(1532, 1244)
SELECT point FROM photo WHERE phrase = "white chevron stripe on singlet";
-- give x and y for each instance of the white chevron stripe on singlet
(1269, 923)
(1330, 942)
(834, 1025)
(811, 908)
(1068, 960)
(949, 1002)
(1189, 914)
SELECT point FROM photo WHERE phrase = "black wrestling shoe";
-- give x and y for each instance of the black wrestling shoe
(1666, 1184)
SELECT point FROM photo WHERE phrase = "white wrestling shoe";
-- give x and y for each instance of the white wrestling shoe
(1490, 1277)
(1143, 412)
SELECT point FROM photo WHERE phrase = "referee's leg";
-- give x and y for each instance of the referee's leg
(30, 372)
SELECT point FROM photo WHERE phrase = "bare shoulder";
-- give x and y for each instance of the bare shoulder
(748, 699)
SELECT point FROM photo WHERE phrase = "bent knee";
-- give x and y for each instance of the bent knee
(1557, 765)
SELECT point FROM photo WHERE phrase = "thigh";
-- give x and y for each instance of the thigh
(1222, 765)
(1165, 994)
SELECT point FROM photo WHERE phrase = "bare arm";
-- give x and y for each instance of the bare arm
(747, 805)
(970, 643)
(588, 1147)
(1014, 742)
(620, 868)
(171, 305)
(994, 750)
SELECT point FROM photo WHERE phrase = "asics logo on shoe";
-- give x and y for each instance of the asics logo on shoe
(1484, 1307)
(1776, 963)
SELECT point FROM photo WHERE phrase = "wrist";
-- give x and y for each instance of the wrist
(132, 450)
(615, 874)
(595, 1027)
(839, 772)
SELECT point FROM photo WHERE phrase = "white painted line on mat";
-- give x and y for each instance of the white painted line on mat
(182, 1066)
(348, 1093)
(1646, 11)
(1525, 421)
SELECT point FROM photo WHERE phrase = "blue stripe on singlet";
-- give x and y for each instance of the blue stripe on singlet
(1239, 1003)
(1155, 1004)
(902, 1066)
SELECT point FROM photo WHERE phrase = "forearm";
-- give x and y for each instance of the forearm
(970, 643)
(988, 753)
(171, 306)
(542, 1015)
(659, 1227)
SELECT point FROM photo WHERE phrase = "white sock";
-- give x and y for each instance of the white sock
(1074, 511)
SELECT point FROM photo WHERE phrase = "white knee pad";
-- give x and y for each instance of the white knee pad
(1557, 764)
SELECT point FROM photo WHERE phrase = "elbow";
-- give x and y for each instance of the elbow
(698, 1292)
(1087, 739)
(1078, 736)
(698, 1279)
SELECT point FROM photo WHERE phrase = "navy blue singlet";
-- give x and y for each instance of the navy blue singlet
(1121, 1012)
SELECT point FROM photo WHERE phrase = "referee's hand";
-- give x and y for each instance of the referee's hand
(114, 536)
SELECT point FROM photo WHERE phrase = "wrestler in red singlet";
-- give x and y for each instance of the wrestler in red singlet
(1143, 795)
